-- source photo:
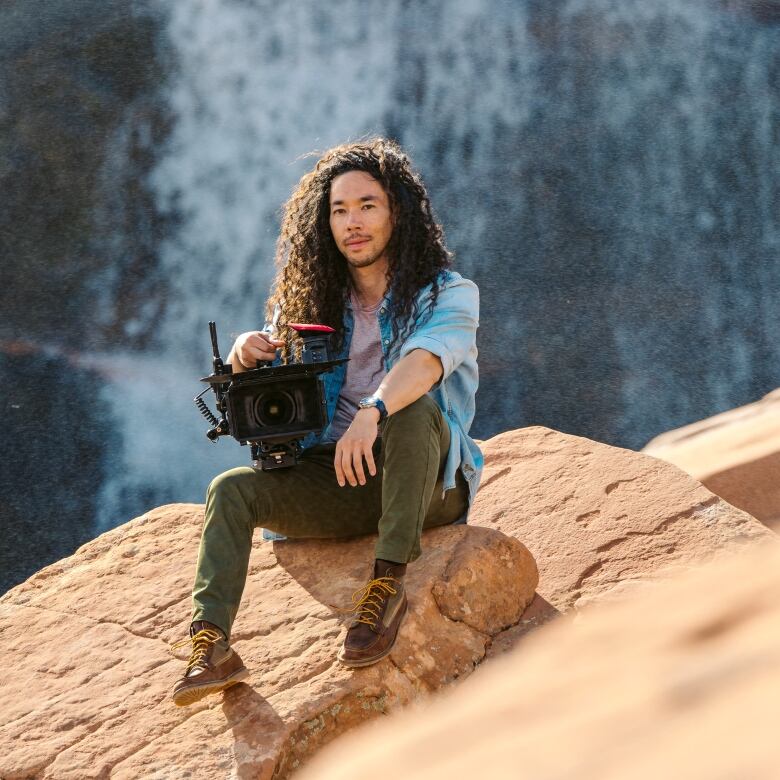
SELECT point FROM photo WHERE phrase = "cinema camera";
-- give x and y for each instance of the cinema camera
(272, 408)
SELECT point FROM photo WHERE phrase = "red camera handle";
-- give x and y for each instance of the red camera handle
(301, 328)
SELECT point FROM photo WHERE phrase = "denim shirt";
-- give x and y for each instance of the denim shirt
(450, 333)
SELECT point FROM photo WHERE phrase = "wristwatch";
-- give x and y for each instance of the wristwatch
(376, 403)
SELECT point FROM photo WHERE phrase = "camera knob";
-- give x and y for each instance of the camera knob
(220, 429)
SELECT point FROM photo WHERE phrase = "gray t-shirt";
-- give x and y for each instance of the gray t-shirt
(365, 370)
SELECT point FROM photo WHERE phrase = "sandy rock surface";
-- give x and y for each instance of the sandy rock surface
(682, 681)
(598, 518)
(736, 455)
(87, 669)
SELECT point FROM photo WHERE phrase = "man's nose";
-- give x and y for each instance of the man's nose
(353, 220)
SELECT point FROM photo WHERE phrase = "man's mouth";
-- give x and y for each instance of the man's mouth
(356, 241)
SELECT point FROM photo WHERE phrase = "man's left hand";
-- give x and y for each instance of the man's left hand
(355, 445)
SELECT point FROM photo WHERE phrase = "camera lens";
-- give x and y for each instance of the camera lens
(275, 407)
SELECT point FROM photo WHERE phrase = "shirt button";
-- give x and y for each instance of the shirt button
(382, 310)
(387, 341)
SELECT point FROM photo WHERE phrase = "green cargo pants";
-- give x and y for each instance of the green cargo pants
(305, 501)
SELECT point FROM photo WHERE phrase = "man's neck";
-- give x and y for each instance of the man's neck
(369, 284)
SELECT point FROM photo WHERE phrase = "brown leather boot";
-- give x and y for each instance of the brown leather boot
(380, 607)
(213, 665)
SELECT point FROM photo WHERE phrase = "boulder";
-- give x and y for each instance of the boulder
(682, 680)
(736, 455)
(87, 668)
(598, 518)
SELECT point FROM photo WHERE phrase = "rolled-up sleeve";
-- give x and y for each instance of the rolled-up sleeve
(450, 332)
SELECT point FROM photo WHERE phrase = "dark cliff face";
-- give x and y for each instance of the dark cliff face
(82, 116)
(80, 121)
(56, 456)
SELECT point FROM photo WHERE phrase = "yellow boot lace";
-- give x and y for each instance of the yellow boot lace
(368, 600)
(201, 642)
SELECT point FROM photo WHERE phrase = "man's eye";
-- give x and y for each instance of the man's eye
(368, 205)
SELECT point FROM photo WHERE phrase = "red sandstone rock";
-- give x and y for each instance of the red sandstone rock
(87, 669)
(736, 455)
(596, 517)
(680, 681)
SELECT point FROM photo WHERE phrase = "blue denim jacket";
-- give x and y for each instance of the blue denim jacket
(450, 333)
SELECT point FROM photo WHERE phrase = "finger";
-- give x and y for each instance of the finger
(255, 353)
(264, 342)
(261, 339)
(346, 464)
(369, 455)
(357, 459)
(249, 358)
(337, 466)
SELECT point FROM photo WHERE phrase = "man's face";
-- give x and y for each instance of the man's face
(360, 218)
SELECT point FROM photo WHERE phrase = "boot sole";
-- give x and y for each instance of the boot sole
(189, 696)
(357, 663)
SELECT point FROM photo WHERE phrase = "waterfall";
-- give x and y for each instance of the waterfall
(257, 86)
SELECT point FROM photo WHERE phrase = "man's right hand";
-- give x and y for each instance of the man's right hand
(251, 347)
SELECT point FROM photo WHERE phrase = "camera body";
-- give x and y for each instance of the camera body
(269, 405)
(272, 408)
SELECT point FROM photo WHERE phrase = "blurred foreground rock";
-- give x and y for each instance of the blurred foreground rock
(735, 454)
(87, 670)
(682, 680)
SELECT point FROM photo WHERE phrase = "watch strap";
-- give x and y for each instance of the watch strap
(377, 403)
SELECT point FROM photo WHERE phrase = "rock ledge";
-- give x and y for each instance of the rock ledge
(88, 670)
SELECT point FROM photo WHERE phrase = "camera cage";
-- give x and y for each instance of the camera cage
(271, 407)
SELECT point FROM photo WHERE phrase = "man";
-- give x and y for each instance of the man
(359, 251)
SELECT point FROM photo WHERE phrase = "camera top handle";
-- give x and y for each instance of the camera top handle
(316, 341)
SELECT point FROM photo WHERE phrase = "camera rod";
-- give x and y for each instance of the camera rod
(220, 426)
(218, 364)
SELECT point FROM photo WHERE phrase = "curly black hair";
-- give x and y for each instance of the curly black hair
(312, 282)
